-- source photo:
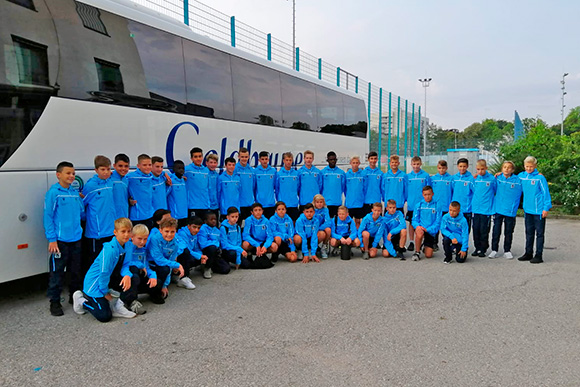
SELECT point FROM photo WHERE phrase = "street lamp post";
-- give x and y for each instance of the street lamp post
(294, 34)
(563, 82)
(425, 82)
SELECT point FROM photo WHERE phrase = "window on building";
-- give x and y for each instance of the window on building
(91, 18)
(25, 3)
(110, 78)
(32, 60)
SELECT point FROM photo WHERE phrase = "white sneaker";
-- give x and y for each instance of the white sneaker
(119, 310)
(186, 283)
(416, 257)
(78, 301)
(508, 255)
(137, 307)
(324, 251)
(207, 273)
(493, 254)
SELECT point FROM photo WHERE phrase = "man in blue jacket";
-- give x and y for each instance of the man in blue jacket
(537, 203)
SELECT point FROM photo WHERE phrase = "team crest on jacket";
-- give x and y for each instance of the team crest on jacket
(400, 180)
(533, 182)
(271, 176)
(465, 184)
(433, 211)
(263, 227)
(487, 184)
(513, 185)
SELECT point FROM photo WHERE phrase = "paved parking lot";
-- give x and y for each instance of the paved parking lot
(337, 323)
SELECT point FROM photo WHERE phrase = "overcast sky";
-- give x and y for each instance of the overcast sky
(487, 58)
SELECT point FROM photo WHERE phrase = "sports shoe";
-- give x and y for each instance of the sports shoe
(493, 254)
(324, 251)
(300, 255)
(475, 254)
(447, 261)
(78, 301)
(365, 255)
(186, 283)
(416, 257)
(525, 257)
(508, 255)
(537, 259)
(137, 307)
(481, 254)
(207, 273)
(275, 257)
(174, 278)
(411, 246)
(335, 252)
(56, 308)
(157, 299)
(400, 255)
(119, 310)
(435, 248)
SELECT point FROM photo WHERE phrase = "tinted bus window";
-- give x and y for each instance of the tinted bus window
(330, 109)
(298, 103)
(162, 58)
(209, 82)
(110, 78)
(355, 116)
(256, 93)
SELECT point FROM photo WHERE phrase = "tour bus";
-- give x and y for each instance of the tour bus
(88, 77)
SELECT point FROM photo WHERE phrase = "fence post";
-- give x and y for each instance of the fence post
(419, 132)
(412, 129)
(319, 68)
(233, 30)
(338, 76)
(380, 146)
(269, 46)
(186, 12)
(406, 134)
(356, 85)
(390, 119)
(368, 108)
(399, 125)
(297, 59)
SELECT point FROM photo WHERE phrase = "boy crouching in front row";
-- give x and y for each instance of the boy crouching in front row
(455, 231)
(96, 297)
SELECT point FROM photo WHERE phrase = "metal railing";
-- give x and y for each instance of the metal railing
(395, 123)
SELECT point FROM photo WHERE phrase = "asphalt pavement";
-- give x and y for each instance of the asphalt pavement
(381, 322)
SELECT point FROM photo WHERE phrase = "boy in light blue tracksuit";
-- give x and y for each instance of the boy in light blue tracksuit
(506, 203)
(100, 210)
(395, 226)
(426, 222)
(190, 254)
(258, 238)
(368, 230)
(159, 184)
(463, 189)
(96, 297)
(343, 231)
(484, 188)
(248, 184)
(141, 193)
(231, 240)
(229, 188)
(455, 234)
(306, 237)
(394, 184)
(372, 181)
(209, 241)
(120, 186)
(354, 191)
(283, 230)
(442, 184)
(177, 194)
(214, 205)
(288, 186)
(63, 211)
(137, 276)
(537, 203)
(416, 180)
(162, 252)
(265, 190)
(310, 180)
(197, 184)
(333, 184)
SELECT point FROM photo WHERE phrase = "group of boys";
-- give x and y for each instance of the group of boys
(148, 228)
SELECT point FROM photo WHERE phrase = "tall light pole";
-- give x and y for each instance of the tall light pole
(294, 34)
(425, 82)
(563, 82)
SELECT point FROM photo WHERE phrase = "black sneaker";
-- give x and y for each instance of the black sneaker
(482, 254)
(475, 254)
(56, 308)
(435, 248)
(403, 249)
(411, 246)
(525, 257)
(447, 260)
(275, 257)
(400, 255)
(70, 298)
(157, 299)
(537, 259)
